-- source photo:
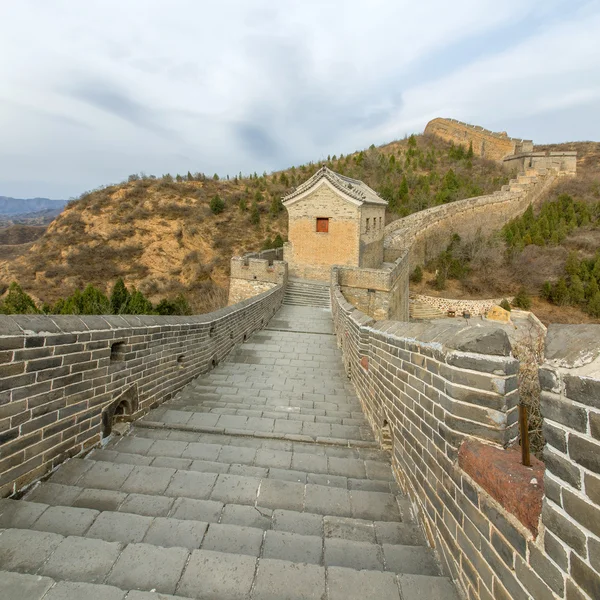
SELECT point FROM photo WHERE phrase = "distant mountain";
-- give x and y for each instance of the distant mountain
(19, 206)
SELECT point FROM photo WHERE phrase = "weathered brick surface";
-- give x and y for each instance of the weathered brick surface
(407, 376)
(570, 382)
(55, 389)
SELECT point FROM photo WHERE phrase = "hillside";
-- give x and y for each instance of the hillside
(161, 235)
(493, 268)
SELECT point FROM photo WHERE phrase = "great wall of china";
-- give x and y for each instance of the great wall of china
(441, 398)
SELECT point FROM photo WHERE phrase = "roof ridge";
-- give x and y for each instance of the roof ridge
(356, 189)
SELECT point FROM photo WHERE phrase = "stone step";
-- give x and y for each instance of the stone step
(266, 463)
(359, 502)
(23, 514)
(330, 541)
(274, 409)
(20, 586)
(364, 451)
(113, 568)
(284, 428)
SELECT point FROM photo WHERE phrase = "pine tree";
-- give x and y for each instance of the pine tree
(138, 304)
(403, 191)
(470, 150)
(217, 204)
(593, 307)
(119, 297)
(560, 293)
(254, 214)
(94, 302)
(576, 290)
(17, 302)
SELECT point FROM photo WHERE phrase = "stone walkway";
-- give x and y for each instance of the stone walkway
(260, 480)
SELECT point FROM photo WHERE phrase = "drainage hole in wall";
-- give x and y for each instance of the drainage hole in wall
(117, 352)
(212, 331)
(180, 362)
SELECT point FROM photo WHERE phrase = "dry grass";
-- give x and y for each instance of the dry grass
(529, 349)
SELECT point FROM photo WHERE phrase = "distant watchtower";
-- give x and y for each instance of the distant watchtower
(333, 220)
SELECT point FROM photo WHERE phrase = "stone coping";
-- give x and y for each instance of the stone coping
(27, 325)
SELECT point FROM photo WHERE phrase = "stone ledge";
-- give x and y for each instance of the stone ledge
(501, 474)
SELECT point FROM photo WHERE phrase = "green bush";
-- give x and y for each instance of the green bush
(417, 275)
(522, 300)
(217, 205)
(17, 302)
(505, 304)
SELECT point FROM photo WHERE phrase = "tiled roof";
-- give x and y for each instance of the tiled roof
(351, 187)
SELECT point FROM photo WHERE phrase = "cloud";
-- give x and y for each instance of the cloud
(97, 90)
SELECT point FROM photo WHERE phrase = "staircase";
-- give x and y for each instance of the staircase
(419, 311)
(302, 292)
(260, 480)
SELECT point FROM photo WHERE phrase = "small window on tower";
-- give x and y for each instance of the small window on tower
(367, 229)
(322, 225)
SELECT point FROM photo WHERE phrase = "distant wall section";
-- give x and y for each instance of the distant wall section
(486, 144)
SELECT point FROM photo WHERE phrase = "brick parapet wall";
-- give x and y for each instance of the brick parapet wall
(431, 383)
(379, 293)
(570, 384)
(426, 233)
(252, 276)
(59, 373)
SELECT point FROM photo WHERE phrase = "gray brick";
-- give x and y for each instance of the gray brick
(284, 545)
(348, 584)
(69, 590)
(16, 586)
(82, 559)
(233, 539)
(119, 527)
(216, 575)
(25, 551)
(283, 580)
(146, 567)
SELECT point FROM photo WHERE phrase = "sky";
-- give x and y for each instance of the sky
(92, 91)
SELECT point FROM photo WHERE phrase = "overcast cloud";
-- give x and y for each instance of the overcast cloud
(94, 90)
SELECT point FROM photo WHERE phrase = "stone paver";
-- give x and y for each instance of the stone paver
(68, 590)
(217, 576)
(348, 584)
(283, 580)
(25, 551)
(148, 567)
(82, 559)
(16, 586)
(259, 480)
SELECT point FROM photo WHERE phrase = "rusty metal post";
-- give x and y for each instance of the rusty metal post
(524, 431)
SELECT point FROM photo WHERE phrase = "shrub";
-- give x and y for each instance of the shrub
(254, 214)
(17, 302)
(417, 275)
(119, 297)
(522, 300)
(439, 283)
(505, 304)
(217, 205)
